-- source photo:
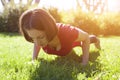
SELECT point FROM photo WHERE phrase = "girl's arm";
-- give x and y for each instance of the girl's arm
(84, 37)
(36, 51)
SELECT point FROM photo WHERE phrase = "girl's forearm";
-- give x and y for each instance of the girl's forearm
(36, 51)
(85, 49)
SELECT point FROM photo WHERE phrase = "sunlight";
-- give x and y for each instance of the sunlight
(113, 5)
(67, 4)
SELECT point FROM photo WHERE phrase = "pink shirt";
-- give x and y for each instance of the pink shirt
(67, 36)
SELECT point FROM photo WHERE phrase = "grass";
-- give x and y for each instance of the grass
(16, 54)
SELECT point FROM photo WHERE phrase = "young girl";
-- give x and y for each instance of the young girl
(40, 28)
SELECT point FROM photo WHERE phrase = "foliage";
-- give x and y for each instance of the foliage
(9, 21)
(87, 22)
(15, 61)
(55, 13)
(110, 24)
(10, 16)
(98, 24)
(103, 24)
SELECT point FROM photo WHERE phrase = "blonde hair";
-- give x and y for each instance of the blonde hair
(37, 19)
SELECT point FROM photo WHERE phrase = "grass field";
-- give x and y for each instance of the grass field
(16, 54)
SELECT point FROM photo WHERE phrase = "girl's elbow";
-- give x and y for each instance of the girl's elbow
(87, 39)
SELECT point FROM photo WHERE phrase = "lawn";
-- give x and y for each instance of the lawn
(16, 54)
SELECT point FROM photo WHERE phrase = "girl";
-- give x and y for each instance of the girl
(40, 28)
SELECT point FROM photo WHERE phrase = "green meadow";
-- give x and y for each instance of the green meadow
(16, 55)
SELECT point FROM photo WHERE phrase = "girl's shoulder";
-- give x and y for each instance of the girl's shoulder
(65, 26)
(67, 31)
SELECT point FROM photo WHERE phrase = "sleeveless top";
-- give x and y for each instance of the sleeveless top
(67, 35)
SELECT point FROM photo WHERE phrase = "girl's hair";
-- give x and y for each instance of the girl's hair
(37, 19)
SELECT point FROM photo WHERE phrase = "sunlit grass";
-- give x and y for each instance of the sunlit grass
(16, 54)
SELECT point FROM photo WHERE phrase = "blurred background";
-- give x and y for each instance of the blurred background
(99, 17)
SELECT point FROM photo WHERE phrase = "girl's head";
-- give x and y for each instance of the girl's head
(37, 24)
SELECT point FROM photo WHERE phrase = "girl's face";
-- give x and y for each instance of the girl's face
(39, 37)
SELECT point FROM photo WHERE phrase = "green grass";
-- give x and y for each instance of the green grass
(16, 54)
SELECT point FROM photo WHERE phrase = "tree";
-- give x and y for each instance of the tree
(11, 13)
(98, 6)
(11, 3)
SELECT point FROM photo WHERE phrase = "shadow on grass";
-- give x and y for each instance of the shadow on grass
(10, 34)
(65, 68)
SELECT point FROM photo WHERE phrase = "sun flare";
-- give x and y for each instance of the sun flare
(113, 5)
(60, 4)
